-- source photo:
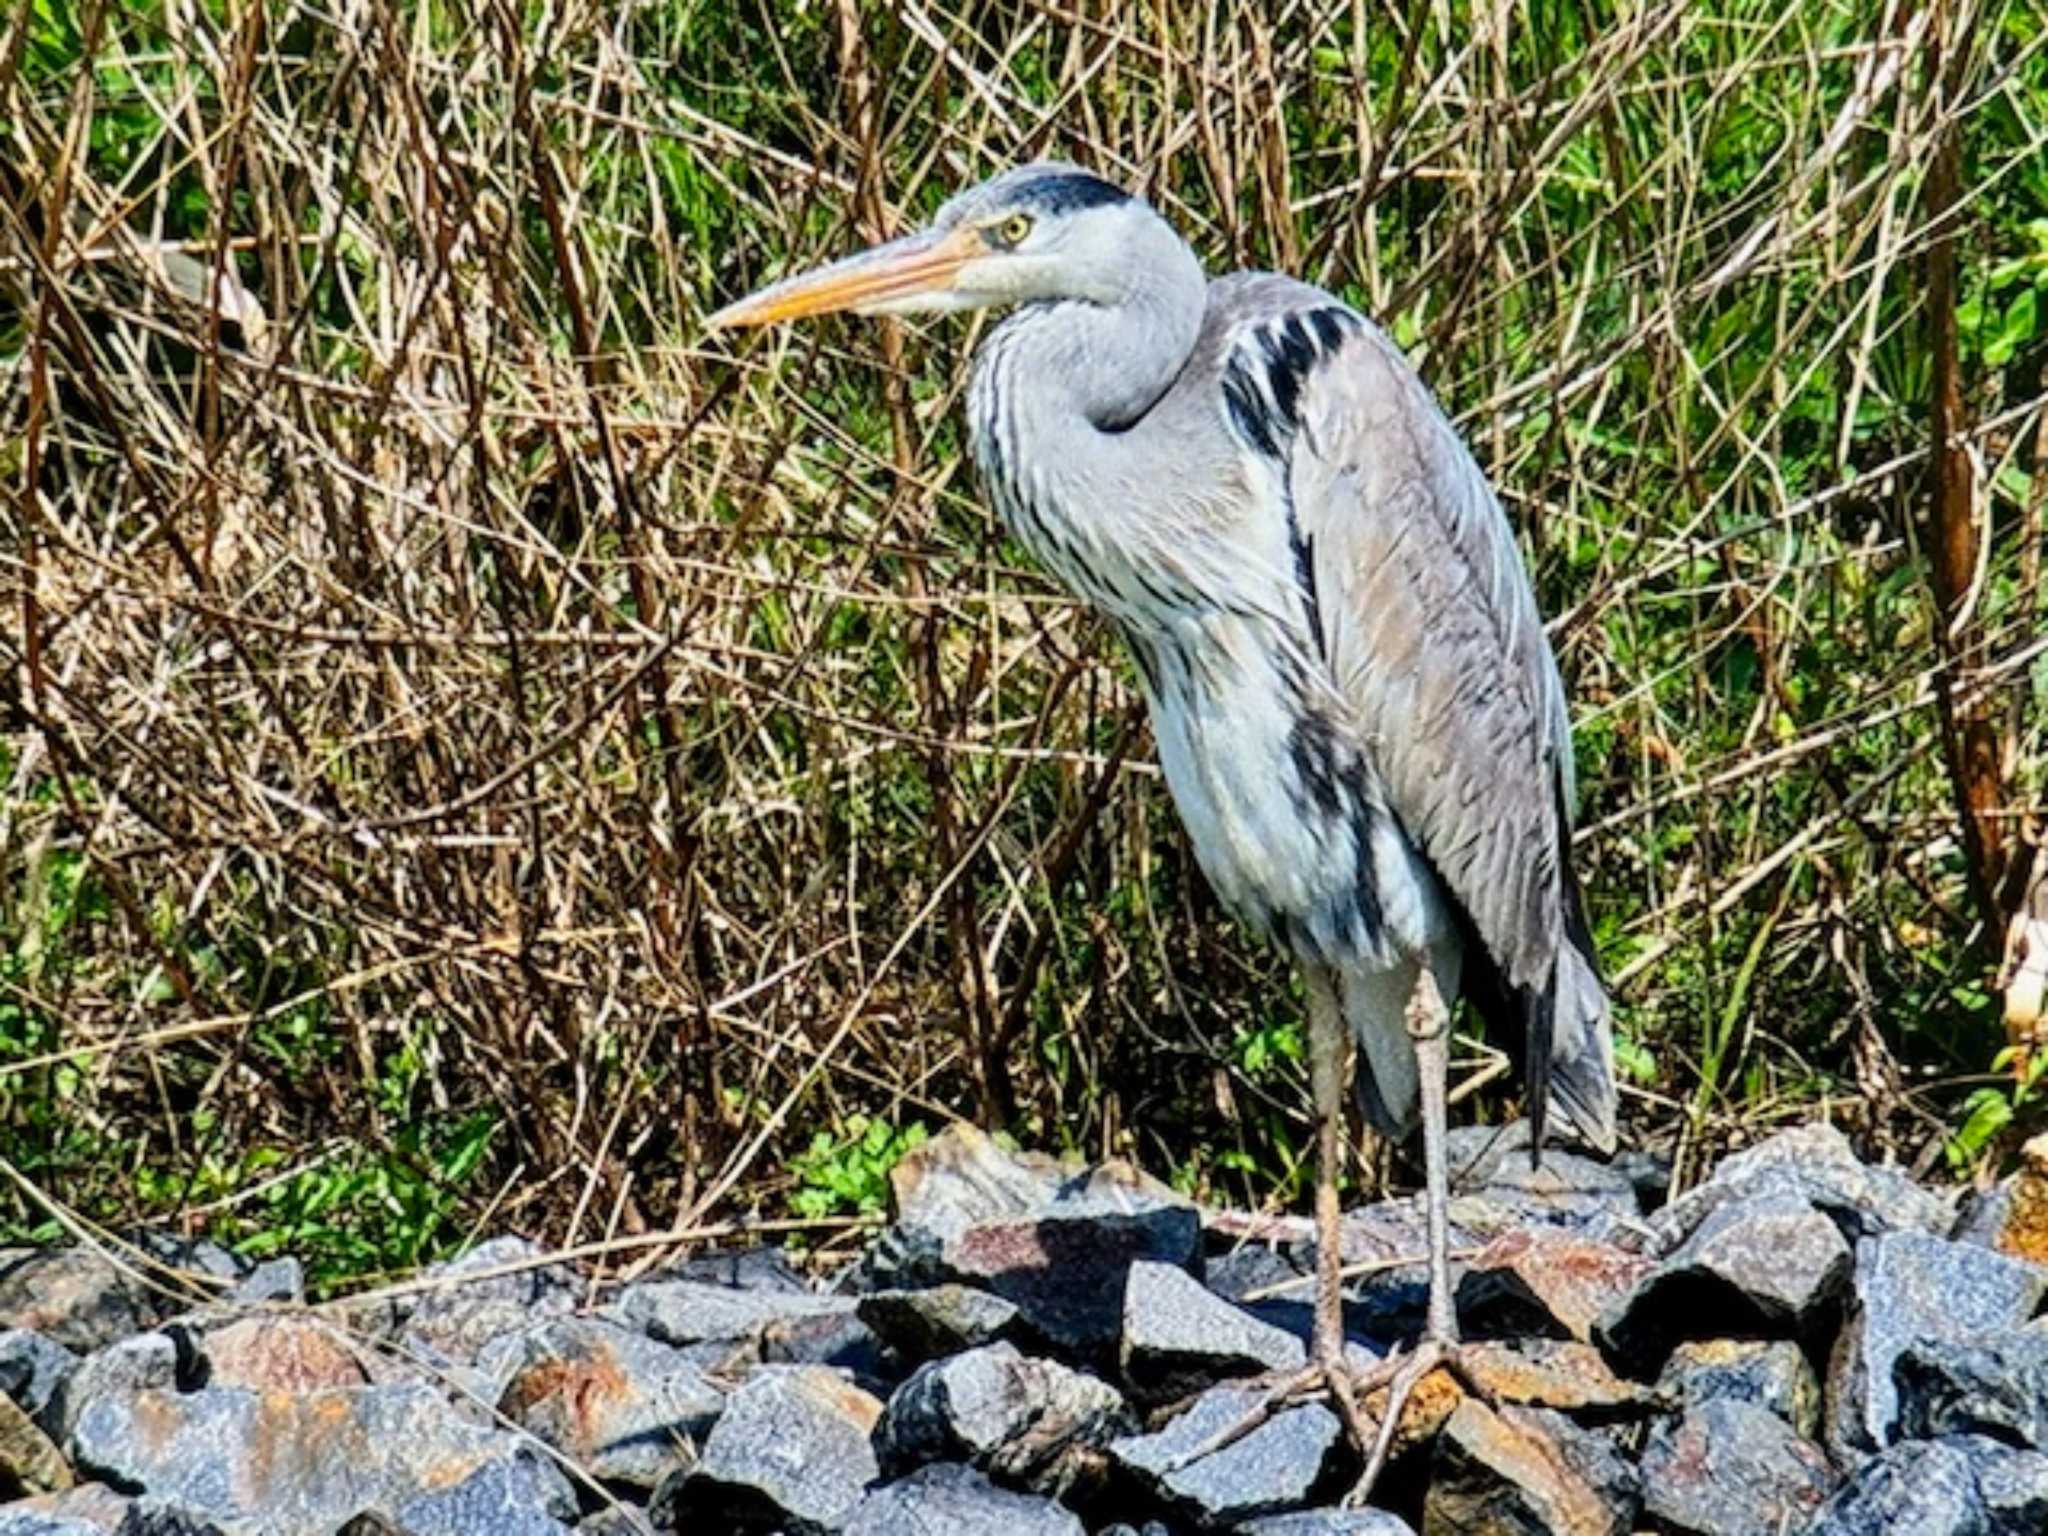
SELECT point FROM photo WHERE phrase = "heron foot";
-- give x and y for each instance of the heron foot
(1399, 1376)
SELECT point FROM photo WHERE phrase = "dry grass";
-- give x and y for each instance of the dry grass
(475, 749)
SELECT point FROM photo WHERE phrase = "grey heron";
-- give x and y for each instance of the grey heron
(1356, 709)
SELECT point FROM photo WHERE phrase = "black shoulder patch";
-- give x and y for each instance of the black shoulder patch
(1263, 392)
(1059, 192)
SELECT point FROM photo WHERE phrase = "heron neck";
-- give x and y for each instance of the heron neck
(1110, 364)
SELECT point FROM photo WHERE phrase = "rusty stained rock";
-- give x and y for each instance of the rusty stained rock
(1510, 1474)
(1547, 1280)
(621, 1406)
(280, 1354)
(300, 1465)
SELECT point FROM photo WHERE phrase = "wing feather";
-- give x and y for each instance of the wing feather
(1434, 645)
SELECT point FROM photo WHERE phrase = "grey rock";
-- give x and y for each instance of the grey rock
(36, 1522)
(1277, 1467)
(617, 1520)
(273, 1280)
(1772, 1373)
(1179, 1337)
(1065, 1268)
(1814, 1163)
(1773, 1265)
(1963, 1485)
(500, 1498)
(1329, 1522)
(1910, 1286)
(1518, 1470)
(142, 1363)
(157, 1517)
(74, 1297)
(32, 1368)
(790, 1453)
(694, 1311)
(758, 1268)
(1034, 1424)
(618, 1404)
(1274, 1284)
(958, 1179)
(938, 1320)
(1997, 1386)
(89, 1507)
(498, 1287)
(1731, 1468)
(948, 1499)
(284, 1464)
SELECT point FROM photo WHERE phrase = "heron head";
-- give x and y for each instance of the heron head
(1043, 231)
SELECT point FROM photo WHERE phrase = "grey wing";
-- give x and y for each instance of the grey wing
(1429, 631)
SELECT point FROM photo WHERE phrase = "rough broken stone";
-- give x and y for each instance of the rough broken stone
(1962, 1485)
(32, 1368)
(1329, 1522)
(1772, 1373)
(279, 1354)
(621, 1406)
(958, 1179)
(1550, 1373)
(1034, 1424)
(496, 1288)
(1911, 1286)
(74, 1297)
(618, 1520)
(959, 1501)
(159, 1517)
(274, 1280)
(1773, 1265)
(790, 1453)
(938, 1320)
(1545, 1280)
(498, 1499)
(693, 1311)
(1732, 1468)
(1996, 1386)
(92, 1508)
(1508, 1471)
(29, 1462)
(1065, 1269)
(121, 1370)
(1814, 1163)
(283, 1465)
(1276, 1467)
(1179, 1336)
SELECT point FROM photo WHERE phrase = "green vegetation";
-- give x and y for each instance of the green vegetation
(473, 751)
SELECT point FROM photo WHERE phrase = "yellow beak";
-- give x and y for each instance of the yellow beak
(903, 269)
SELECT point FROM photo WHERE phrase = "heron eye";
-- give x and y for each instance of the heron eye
(1013, 229)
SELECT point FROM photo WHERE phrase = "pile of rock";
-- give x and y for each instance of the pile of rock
(1803, 1343)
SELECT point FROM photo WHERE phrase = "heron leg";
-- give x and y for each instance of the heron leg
(1329, 1371)
(1428, 1020)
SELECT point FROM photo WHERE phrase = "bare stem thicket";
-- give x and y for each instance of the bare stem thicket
(461, 689)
